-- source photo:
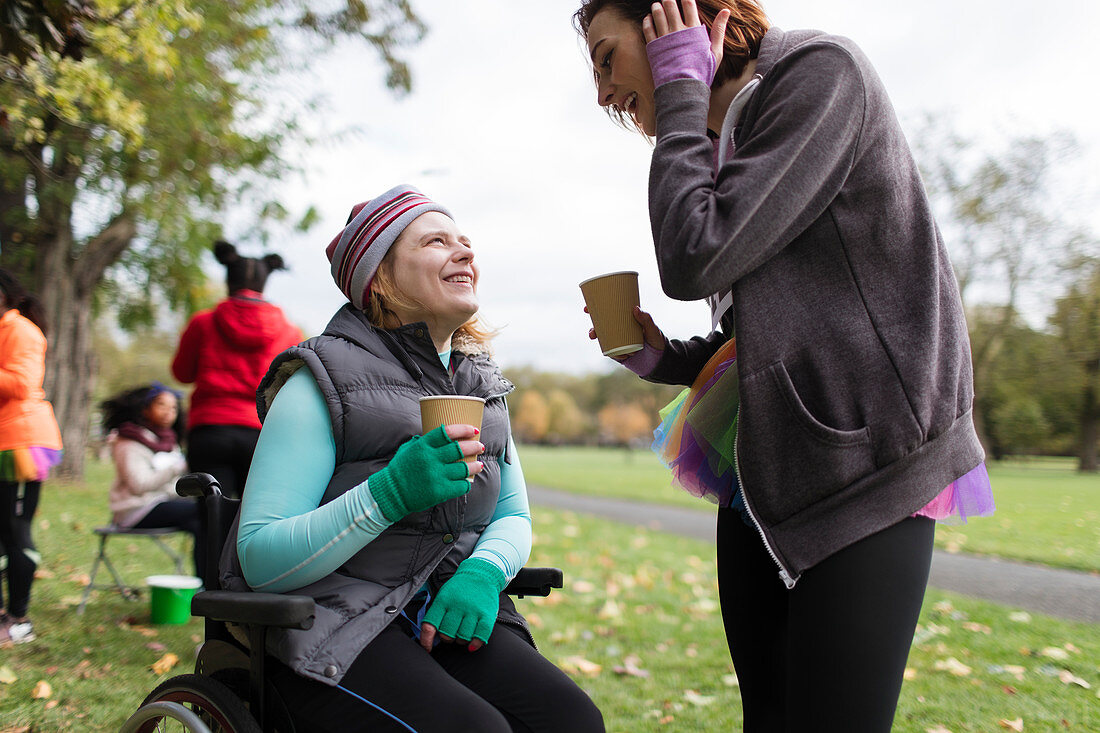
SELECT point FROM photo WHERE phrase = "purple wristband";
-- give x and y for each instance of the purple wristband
(643, 362)
(682, 54)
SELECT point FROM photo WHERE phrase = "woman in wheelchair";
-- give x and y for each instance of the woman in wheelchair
(404, 547)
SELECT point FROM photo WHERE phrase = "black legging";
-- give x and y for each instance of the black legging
(224, 452)
(503, 687)
(184, 514)
(829, 654)
(18, 503)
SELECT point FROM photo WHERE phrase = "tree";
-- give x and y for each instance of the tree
(623, 424)
(115, 167)
(28, 27)
(1030, 372)
(531, 420)
(1076, 319)
(568, 424)
(1001, 220)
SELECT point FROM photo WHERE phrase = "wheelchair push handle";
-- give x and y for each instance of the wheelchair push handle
(198, 484)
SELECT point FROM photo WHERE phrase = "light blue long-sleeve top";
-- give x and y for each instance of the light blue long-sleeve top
(286, 540)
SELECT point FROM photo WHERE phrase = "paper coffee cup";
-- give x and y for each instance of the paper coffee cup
(450, 409)
(611, 299)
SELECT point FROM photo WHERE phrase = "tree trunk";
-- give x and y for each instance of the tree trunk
(70, 369)
(1090, 420)
(67, 289)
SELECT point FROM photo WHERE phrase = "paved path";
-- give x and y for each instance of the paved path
(1062, 593)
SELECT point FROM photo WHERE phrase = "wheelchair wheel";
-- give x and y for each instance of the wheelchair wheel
(215, 705)
(159, 713)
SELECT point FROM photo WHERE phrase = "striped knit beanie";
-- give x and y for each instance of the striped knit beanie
(371, 230)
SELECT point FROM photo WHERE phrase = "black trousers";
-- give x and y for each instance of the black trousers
(182, 513)
(224, 452)
(18, 503)
(829, 654)
(505, 686)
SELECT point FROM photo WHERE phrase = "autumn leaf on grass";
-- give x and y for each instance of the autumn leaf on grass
(7, 676)
(952, 665)
(630, 667)
(1017, 724)
(976, 627)
(610, 610)
(1069, 678)
(1055, 652)
(696, 699)
(1020, 617)
(937, 729)
(1015, 670)
(42, 690)
(929, 632)
(165, 663)
(580, 665)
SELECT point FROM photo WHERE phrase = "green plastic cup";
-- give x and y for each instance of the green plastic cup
(170, 597)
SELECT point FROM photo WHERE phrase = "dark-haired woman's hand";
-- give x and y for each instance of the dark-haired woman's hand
(653, 335)
(665, 17)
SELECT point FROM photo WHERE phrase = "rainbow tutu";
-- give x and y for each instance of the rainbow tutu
(698, 430)
(970, 495)
(27, 464)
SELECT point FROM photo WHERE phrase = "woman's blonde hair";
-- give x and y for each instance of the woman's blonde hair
(472, 337)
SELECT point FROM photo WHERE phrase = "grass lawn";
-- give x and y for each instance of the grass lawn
(637, 625)
(1047, 512)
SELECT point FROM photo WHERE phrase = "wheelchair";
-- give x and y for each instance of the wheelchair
(229, 691)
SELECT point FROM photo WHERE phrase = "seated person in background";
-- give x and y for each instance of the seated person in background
(142, 425)
(347, 503)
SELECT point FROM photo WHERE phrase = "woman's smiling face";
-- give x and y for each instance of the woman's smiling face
(433, 265)
(623, 77)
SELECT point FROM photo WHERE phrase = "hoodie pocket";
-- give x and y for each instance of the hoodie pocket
(788, 458)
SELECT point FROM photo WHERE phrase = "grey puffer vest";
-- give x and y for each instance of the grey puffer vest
(372, 381)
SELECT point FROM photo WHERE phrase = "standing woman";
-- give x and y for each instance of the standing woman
(405, 548)
(224, 352)
(783, 192)
(30, 444)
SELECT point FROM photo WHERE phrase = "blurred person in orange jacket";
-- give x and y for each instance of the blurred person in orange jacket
(30, 444)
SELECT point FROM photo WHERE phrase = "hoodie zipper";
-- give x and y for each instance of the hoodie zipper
(784, 575)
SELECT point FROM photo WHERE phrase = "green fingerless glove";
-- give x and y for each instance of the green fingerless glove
(426, 470)
(466, 606)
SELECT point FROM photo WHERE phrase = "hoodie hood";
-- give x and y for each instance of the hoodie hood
(249, 322)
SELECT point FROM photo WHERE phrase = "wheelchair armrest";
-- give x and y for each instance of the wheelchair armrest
(198, 484)
(535, 582)
(264, 609)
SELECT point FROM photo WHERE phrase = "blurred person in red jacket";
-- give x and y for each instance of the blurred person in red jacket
(225, 352)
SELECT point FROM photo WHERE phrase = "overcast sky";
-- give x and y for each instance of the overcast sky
(503, 129)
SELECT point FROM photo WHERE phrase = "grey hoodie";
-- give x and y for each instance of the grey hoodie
(853, 356)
